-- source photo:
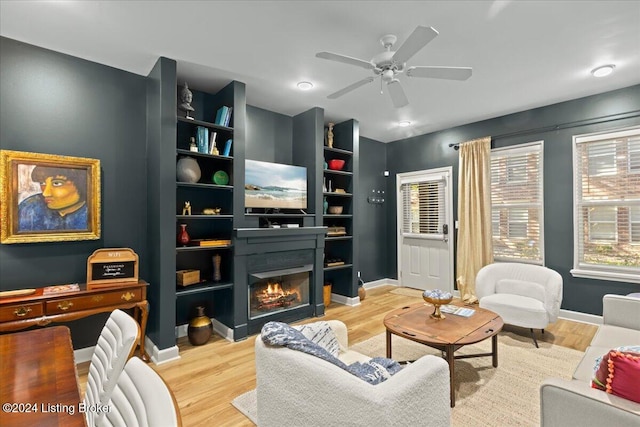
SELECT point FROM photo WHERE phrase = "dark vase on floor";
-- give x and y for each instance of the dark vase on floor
(200, 328)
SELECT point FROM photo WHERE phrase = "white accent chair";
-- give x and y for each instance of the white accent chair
(524, 295)
(141, 398)
(116, 344)
(295, 389)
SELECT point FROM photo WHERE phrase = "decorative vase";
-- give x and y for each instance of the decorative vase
(326, 294)
(200, 328)
(183, 236)
(217, 276)
(188, 170)
(362, 293)
(325, 206)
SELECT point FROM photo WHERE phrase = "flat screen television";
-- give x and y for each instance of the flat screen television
(274, 186)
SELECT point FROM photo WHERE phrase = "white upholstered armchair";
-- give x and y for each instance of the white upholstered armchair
(296, 388)
(524, 295)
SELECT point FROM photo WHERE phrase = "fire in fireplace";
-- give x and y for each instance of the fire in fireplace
(275, 291)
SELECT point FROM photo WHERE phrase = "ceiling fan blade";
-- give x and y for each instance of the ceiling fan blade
(351, 87)
(416, 41)
(346, 60)
(397, 95)
(449, 73)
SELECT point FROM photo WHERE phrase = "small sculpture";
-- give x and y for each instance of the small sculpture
(330, 135)
(192, 145)
(211, 211)
(185, 101)
(186, 210)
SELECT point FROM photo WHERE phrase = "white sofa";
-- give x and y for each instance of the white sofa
(296, 388)
(573, 402)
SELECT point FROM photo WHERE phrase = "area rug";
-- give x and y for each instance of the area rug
(508, 395)
(409, 292)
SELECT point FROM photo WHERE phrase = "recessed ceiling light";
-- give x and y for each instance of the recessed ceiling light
(305, 85)
(404, 123)
(602, 71)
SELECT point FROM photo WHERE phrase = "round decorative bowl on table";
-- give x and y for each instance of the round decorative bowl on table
(437, 298)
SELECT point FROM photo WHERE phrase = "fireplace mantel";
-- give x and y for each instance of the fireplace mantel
(264, 249)
(247, 233)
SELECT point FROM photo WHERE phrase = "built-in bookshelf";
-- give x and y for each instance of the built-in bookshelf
(338, 189)
(205, 208)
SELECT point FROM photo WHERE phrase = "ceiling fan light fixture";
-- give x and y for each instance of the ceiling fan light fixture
(603, 70)
(404, 123)
(305, 85)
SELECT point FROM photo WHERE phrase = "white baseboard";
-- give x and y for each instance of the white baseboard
(82, 355)
(159, 356)
(380, 282)
(341, 299)
(576, 316)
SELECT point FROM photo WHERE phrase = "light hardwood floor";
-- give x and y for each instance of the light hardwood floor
(207, 378)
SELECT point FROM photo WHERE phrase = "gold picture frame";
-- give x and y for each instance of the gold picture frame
(48, 198)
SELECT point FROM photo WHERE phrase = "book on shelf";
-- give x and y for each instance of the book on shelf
(57, 289)
(212, 143)
(227, 147)
(221, 115)
(458, 311)
(227, 117)
(202, 139)
(210, 242)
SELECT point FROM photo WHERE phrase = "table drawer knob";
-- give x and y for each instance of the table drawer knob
(65, 305)
(22, 311)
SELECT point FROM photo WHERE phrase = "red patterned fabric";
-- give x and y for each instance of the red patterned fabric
(619, 374)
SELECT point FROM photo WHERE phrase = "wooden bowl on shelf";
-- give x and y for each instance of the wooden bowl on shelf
(336, 164)
(335, 210)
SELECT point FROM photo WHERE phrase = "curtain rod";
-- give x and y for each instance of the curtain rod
(569, 125)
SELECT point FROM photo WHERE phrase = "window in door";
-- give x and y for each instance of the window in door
(423, 207)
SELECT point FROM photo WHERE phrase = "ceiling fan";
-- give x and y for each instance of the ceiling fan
(390, 63)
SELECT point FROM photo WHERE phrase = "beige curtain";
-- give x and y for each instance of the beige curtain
(475, 249)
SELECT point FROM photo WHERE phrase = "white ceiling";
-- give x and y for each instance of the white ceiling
(524, 54)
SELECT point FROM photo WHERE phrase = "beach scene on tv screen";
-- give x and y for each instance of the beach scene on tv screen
(275, 185)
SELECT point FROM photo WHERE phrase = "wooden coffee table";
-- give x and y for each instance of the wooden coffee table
(413, 322)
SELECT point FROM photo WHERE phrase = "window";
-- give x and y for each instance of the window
(516, 203)
(634, 224)
(607, 205)
(423, 207)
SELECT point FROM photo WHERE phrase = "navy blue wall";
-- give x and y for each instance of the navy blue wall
(555, 125)
(57, 104)
(269, 136)
(371, 223)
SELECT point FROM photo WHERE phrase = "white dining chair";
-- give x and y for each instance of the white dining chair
(116, 344)
(141, 398)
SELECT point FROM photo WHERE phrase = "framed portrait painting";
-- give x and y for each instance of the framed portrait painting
(48, 198)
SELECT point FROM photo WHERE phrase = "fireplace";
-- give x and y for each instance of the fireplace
(275, 291)
(278, 276)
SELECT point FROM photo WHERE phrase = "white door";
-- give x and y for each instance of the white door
(425, 240)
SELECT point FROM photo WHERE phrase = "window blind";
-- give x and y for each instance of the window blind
(517, 203)
(607, 201)
(423, 208)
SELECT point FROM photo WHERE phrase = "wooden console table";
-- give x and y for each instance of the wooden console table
(37, 309)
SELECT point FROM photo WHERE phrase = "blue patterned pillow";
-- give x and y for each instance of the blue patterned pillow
(321, 334)
(374, 371)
